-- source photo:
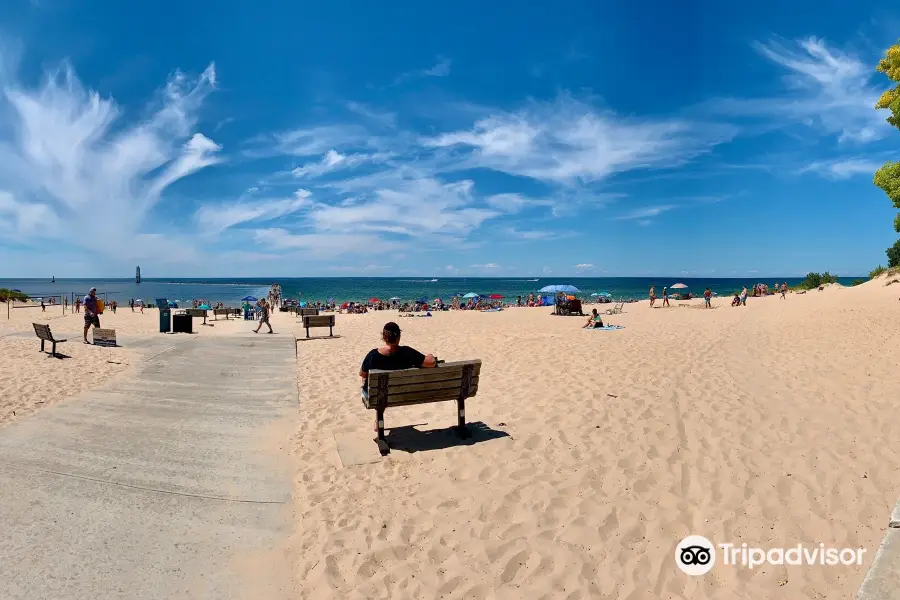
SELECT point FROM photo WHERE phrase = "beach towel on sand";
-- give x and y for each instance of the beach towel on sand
(608, 327)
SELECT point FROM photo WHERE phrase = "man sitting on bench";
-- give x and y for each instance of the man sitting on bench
(393, 357)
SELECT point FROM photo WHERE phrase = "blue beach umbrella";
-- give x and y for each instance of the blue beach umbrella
(203, 307)
(422, 301)
(249, 299)
(568, 289)
(471, 295)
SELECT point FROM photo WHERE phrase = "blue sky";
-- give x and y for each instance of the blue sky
(298, 139)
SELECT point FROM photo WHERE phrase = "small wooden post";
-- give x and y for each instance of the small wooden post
(382, 386)
(464, 386)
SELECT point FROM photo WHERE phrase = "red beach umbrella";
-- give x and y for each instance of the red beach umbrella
(374, 300)
(496, 296)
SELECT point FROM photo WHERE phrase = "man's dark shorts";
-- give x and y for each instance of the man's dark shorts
(91, 320)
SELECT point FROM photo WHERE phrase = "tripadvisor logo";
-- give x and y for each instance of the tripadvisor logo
(696, 555)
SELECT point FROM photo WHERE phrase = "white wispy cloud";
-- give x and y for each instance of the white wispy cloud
(70, 164)
(439, 69)
(646, 212)
(825, 88)
(216, 218)
(487, 266)
(584, 266)
(335, 161)
(843, 168)
(568, 141)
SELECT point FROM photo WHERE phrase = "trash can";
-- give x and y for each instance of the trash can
(183, 324)
(165, 320)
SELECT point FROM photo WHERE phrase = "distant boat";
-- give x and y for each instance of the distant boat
(433, 280)
(532, 279)
(53, 279)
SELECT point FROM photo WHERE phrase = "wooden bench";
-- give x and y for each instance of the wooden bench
(443, 383)
(222, 311)
(319, 321)
(43, 332)
(307, 312)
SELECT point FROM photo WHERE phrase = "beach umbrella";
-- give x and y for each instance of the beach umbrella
(438, 301)
(395, 297)
(374, 300)
(249, 299)
(496, 296)
(595, 294)
(678, 286)
(605, 294)
(422, 301)
(471, 295)
(203, 307)
(331, 300)
(302, 304)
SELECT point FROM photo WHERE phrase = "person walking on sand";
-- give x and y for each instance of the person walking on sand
(43, 306)
(91, 312)
(783, 289)
(263, 316)
(652, 295)
(744, 296)
(666, 296)
(707, 298)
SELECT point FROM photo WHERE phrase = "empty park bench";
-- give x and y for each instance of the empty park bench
(443, 383)
(305, 312)
(222, 311)
(319, 321)
(43, 332)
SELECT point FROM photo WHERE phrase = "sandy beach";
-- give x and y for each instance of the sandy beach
(598, 451)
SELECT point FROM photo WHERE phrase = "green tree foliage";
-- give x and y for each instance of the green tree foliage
(893, 254)
(814, 280)
(6, 294)
(888, 176)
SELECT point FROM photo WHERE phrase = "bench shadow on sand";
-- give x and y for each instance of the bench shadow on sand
(410, 439)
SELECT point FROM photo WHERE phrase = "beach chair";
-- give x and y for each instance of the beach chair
(43, 332)
(443, 383)
(615, 310)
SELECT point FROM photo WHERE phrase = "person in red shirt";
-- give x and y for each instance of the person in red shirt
(707, 298)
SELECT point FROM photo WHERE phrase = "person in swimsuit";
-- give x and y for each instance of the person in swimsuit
(707, 298)
(666, 296)
(652, 296)
(593, 321)
(263, 317)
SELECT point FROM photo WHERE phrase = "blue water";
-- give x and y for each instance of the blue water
(363, 288)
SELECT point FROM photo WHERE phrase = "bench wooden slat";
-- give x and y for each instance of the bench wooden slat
(436, 388)
(438, 373)
(318, 320)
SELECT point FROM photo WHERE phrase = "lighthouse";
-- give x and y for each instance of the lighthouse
(137, 275)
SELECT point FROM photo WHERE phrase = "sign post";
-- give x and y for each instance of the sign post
(104, 337)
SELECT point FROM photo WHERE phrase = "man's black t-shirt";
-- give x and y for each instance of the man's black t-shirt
(404, 358)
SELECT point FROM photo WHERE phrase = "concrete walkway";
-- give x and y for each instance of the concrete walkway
(172, 484)
(882, 582)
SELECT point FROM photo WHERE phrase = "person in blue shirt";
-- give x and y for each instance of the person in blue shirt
(91, 312)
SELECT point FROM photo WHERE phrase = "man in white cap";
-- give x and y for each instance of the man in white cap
(91, 312)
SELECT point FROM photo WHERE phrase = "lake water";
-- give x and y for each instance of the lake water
(342, 289)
